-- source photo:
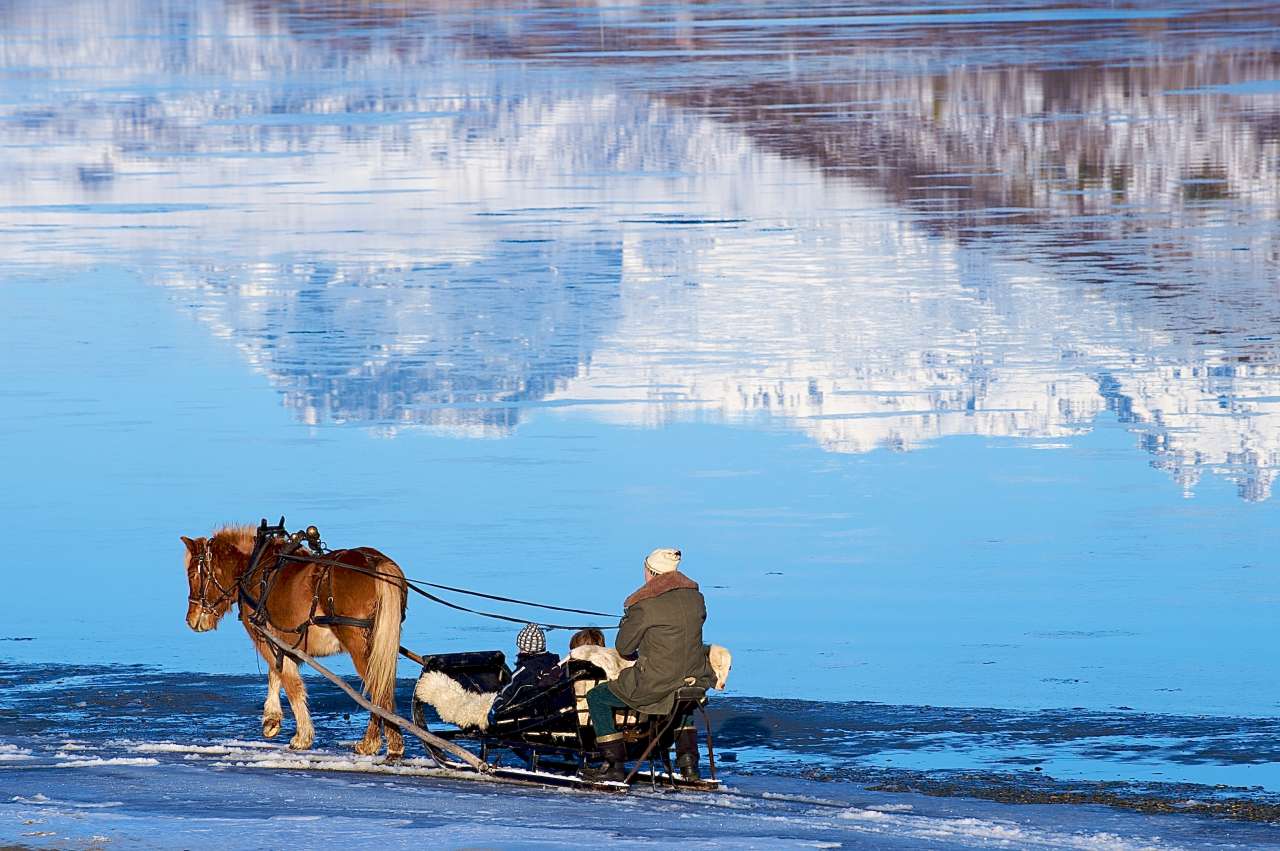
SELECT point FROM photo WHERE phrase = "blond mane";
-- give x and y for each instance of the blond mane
(241, 537)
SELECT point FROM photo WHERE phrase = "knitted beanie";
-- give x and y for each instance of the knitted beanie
(662, 560)
(531, 639)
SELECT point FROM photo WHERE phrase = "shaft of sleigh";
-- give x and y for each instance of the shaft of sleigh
(405, 724)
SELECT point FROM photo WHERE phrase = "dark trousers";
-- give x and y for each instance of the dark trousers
(601, 701)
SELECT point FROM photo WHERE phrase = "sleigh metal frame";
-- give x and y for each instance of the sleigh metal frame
(548, 732)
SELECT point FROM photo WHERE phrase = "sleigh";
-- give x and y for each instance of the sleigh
(543, 733)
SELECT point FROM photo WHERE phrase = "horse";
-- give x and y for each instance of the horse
(321, 608)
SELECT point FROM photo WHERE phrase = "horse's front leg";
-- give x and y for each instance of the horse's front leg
(296, 691)
(272, 714)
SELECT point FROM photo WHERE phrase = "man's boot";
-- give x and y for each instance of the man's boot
(687, 754)
(613, 770)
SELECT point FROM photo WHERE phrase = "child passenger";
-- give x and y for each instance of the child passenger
(587, 637)
(534, 667)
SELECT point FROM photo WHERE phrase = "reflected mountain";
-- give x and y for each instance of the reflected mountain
(446, 215)
(456, 346)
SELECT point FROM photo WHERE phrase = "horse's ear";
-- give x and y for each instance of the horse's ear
(191, 545)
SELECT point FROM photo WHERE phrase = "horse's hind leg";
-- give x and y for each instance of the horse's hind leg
(372, 741)
(356, 643)
(296, 691)
(395, 741)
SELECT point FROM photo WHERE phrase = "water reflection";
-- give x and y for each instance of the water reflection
(456, 346)
(880, 230)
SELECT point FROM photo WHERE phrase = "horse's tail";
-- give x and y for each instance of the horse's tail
(384, 644)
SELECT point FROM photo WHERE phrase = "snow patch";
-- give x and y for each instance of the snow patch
(323, 762)
(40, 799)
(176, 747)
(97, 761)
(1009, 835)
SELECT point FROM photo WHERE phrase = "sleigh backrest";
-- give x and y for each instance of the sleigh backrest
(483, 671)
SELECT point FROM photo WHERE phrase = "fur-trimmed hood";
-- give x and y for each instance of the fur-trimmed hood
(660, 585)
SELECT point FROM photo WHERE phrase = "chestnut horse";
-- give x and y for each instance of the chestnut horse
(298, 593)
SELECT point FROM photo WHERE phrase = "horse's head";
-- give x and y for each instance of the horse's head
(211, 587)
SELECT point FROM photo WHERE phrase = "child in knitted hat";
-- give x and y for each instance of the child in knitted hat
(531, 640)
(535, 668)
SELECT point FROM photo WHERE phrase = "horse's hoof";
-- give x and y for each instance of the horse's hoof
(270, 728)
(367, 749)
(300, 742)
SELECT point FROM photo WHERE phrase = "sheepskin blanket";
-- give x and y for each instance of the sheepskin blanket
(453, 703)
(605, 658)
(611, 662)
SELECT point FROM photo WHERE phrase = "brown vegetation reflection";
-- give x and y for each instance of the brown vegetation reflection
(1099, 126)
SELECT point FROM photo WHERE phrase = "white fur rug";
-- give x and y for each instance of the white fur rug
(605, 658)
(453, 703)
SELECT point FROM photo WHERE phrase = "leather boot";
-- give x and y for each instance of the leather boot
(613, 770)
(687, 754)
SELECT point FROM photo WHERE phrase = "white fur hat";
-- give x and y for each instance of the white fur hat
(662, 560)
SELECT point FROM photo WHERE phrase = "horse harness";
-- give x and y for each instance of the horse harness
(252, 600)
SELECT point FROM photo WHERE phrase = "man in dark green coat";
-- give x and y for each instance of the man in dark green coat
(662, 623)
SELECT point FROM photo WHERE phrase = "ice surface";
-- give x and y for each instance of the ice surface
(172, 805)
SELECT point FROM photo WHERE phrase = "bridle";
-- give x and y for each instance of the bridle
(206, 574)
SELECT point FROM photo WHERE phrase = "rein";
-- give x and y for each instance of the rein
(416, 586)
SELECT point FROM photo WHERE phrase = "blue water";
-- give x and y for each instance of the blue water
(942, 339)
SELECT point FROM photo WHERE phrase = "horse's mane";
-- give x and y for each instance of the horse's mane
(241, 537)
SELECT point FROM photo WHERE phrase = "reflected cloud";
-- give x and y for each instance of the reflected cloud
(447, 215)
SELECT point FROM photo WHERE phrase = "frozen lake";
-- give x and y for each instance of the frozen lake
(943, 339)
